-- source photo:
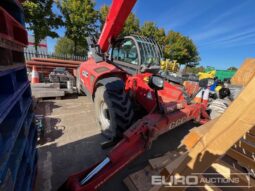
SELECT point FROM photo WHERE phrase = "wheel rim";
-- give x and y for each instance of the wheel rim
(104, 116)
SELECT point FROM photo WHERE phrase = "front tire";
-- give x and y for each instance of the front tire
(114, 112)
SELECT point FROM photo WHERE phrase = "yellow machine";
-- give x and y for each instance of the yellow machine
(171, 66)
(204, 75)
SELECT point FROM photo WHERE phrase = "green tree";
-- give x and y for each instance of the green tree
(80, 20)
(180, 48)
(131, 25)
(103, 12)
(161, 37)
(65, 46)
(40, 19)
(149, 29)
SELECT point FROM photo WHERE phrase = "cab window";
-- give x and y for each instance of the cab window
(126, 51)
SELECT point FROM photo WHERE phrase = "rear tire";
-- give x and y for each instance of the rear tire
(114, 112)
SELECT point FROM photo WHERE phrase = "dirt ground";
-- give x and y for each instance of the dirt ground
(72, 143)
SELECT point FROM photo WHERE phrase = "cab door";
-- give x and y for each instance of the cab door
(126, 55)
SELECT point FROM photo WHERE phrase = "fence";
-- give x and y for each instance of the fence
(29, 55)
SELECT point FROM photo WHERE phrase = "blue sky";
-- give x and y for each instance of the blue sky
(223, 30)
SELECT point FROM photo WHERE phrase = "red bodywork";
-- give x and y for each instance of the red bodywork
(116, 18)
(91, 72)
(139, 89)
(174, 108)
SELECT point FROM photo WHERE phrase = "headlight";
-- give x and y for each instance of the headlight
(156, 82)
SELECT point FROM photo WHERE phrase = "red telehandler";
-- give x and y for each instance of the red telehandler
(134, 102)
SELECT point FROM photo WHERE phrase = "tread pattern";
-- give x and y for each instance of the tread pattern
(122, 107)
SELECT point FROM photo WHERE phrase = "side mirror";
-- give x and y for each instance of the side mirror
(156, 83)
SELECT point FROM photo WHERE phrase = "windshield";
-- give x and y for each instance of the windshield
(125, 51)
(149, 50)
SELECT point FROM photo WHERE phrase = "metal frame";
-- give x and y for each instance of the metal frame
(144, 41)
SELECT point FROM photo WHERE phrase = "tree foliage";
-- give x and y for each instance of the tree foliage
(103, 12)
(40, 19)
(149, 29)
(180, 48)
(65, 46)
(160, 36)
(80, 20)
(131, 25)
